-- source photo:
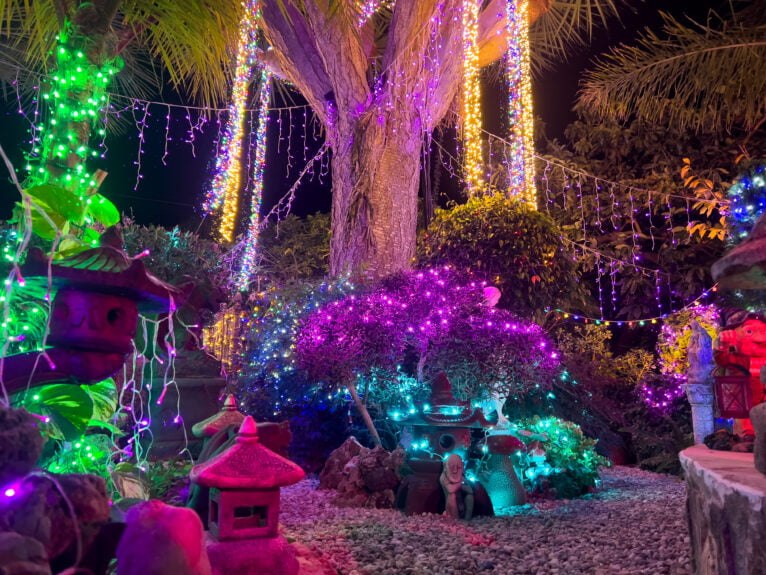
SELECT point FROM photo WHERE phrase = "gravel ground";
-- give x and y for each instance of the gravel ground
(634, 525)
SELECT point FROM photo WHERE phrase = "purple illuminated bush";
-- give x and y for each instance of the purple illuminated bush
(440, 318)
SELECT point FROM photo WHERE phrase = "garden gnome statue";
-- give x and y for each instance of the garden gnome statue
(758, 419)
(699, 389)
(451, 481)
(498, 400)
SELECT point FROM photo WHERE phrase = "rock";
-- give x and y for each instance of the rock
(20, 555)
(370, 478)
(725, 502)
(721, 440)
(332, 472)
(381, 479)
(758, 419)
(40, 511)
(275, 436)
(20, 443)
(161, 539)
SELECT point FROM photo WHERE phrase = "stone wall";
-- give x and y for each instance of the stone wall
(726, 510)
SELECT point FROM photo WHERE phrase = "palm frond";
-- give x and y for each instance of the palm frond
(692, 77)
(567, 25)
(31, 28)
(191, 40)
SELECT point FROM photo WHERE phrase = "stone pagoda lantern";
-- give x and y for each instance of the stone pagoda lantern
(244, 482)
(275, 436)
(96, 297)
(442, 428)
(229, 415)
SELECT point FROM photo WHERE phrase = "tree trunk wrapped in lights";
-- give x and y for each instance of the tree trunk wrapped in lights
(376, 103)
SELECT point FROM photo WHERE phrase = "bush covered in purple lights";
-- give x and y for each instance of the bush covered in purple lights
(424, 322)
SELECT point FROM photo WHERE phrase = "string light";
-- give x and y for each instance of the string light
(640, 322)
(224, 190)
(368, 8)
(74, 96)
(748, 201)
(251, 244)
(521, 161)
(472, 152)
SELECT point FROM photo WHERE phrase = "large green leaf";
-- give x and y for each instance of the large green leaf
(103, 210)
(68, 408)
(40, 225)
(60, 201)
(104, 397)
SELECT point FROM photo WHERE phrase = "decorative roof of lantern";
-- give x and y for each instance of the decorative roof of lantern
(247, 464)
(444, 410)
(229, 415)
(744, 267)
(105, 269)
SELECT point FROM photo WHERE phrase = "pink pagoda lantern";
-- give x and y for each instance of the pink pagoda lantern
(244, 482)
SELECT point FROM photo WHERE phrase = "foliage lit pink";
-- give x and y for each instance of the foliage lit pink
(442, 320)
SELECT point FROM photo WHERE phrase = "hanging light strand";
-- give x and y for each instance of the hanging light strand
(472, 152)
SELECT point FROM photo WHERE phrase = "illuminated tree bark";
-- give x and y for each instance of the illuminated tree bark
(376, 104)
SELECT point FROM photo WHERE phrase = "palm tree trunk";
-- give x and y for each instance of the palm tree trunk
(375, 193)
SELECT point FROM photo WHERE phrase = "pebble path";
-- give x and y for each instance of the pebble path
(635, 524)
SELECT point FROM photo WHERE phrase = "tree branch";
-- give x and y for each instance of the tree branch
(340, 48)
(296, 54)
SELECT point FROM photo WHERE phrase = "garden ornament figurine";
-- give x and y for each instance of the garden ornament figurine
(700, 352)
(699, 389)
(452, 483)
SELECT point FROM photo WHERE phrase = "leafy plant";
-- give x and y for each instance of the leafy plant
(176, 256)
(657, 437)
(68, 410)
(572, 464)
(632, 239)
(296, 249)
(673, 341)
(515, 248)
(90, 453)
(590, 345)
(61, 214)
(270, 383)
(426, 321)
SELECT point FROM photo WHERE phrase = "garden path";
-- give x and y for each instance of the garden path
(634, 525)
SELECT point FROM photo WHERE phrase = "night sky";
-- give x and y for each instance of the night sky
(172, 184)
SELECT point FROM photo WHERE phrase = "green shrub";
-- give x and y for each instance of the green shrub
(517, 249)
(571, 460)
